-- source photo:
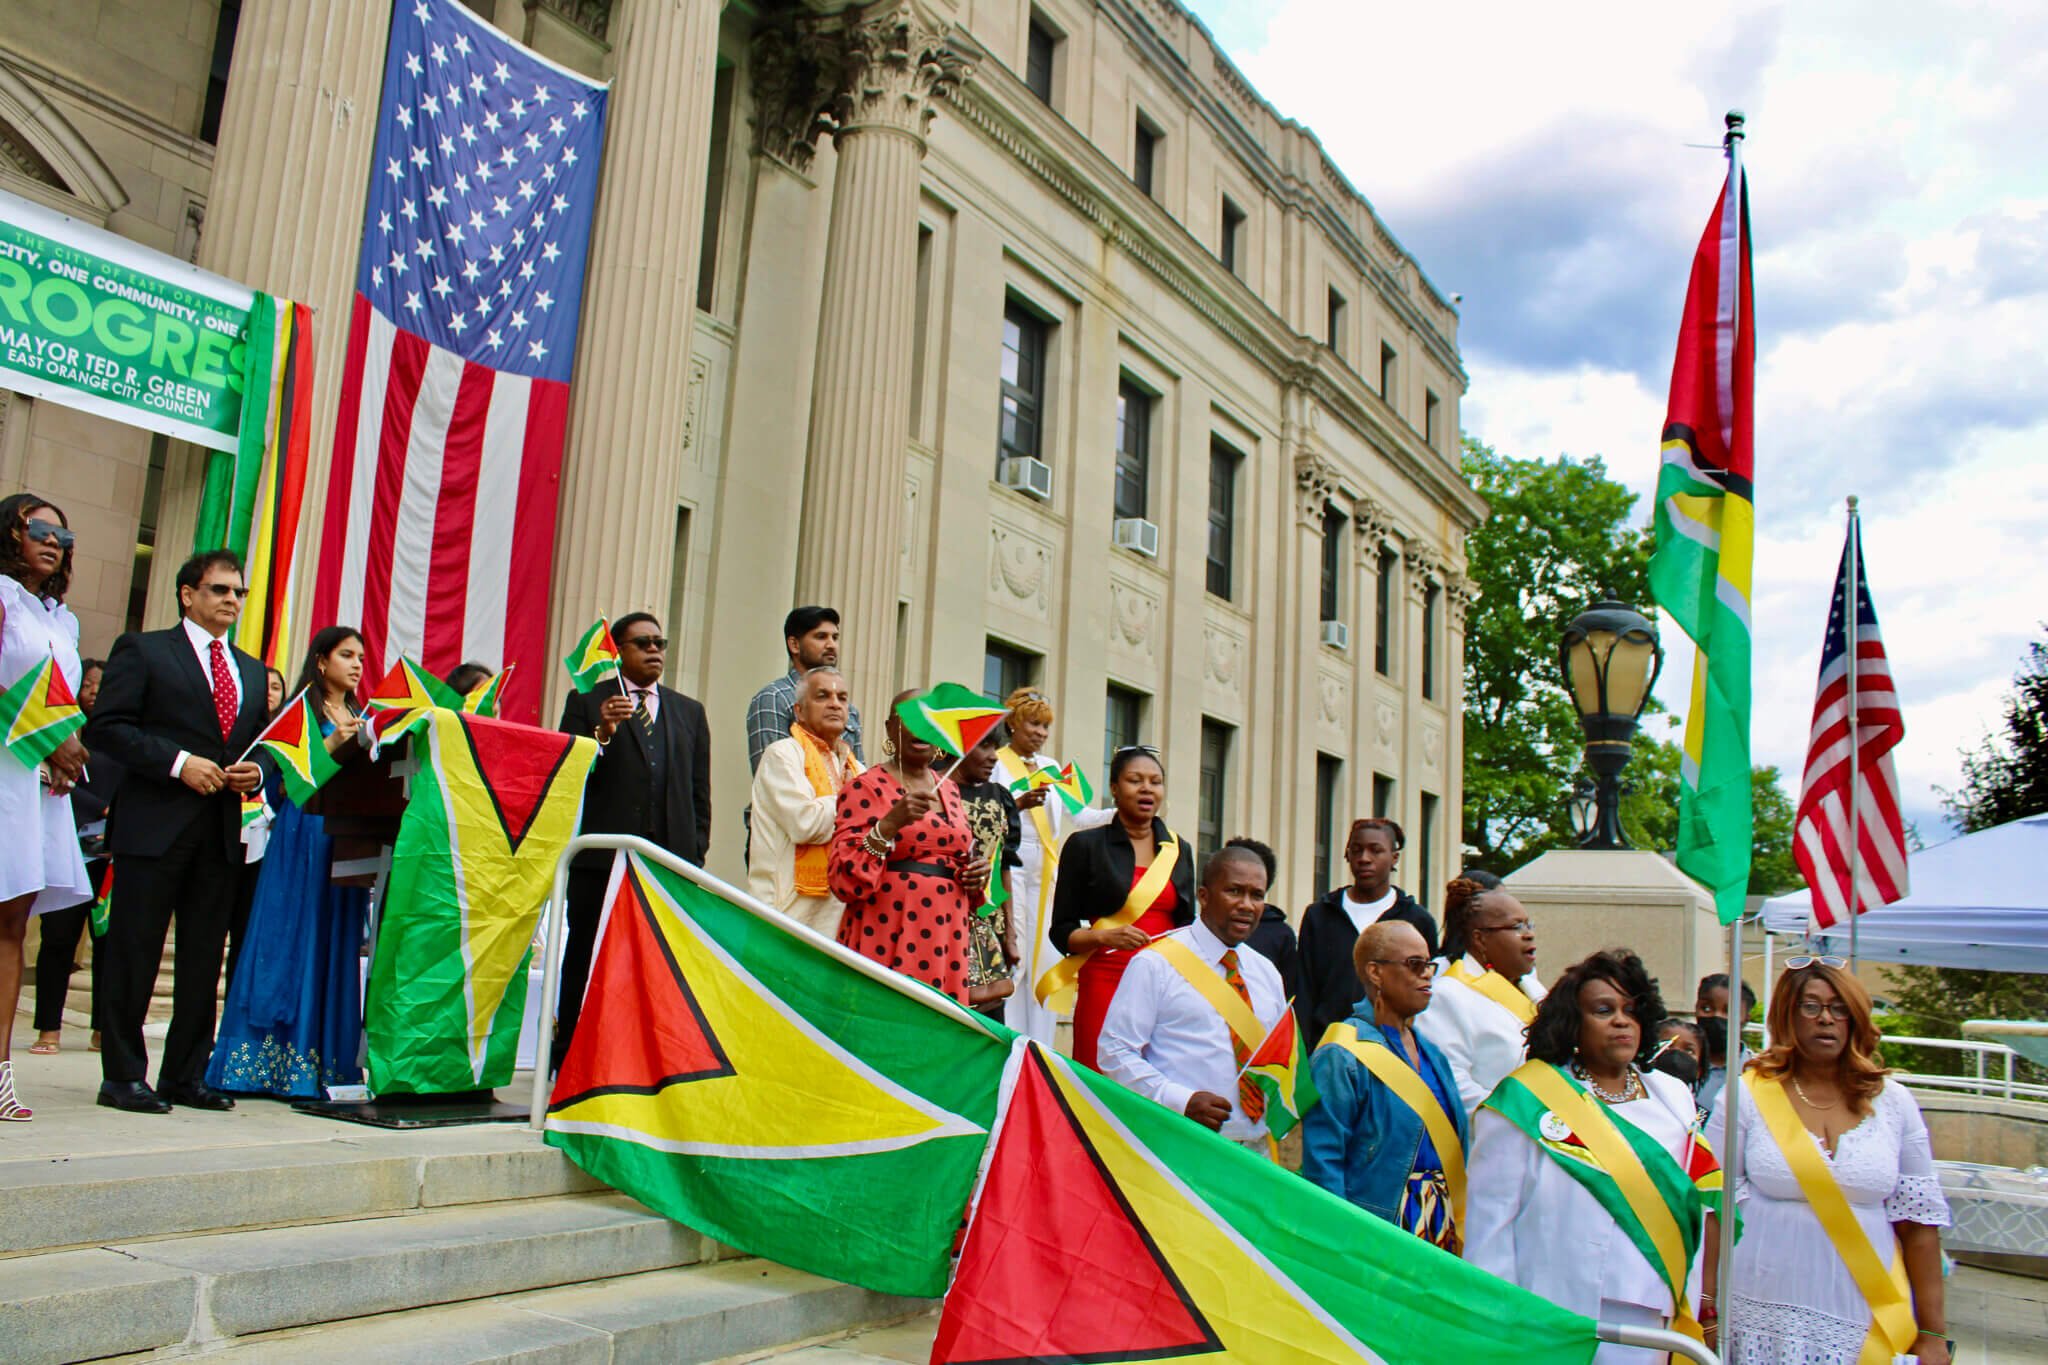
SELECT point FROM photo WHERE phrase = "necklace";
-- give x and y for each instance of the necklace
(1800, 1090)
(1631, 1085)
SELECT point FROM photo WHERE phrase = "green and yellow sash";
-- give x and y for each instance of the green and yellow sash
(1496, 988)
(1409, 1087)
(1056, 988)
(1625, 1169)
(1014, 767)
(1893, 1328)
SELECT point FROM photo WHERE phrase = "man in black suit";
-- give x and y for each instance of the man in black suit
(652, 778)
(176, 708)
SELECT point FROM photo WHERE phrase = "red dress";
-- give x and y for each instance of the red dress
(910, 913)
(1105, 967)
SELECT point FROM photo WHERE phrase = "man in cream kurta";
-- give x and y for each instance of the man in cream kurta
(790, 811)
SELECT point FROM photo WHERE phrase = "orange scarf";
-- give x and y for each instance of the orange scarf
(826, 769)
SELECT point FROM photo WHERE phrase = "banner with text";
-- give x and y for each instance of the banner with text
(105, 325)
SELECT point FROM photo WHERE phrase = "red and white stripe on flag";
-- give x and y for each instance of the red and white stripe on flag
(1820, 830)
(440, 527)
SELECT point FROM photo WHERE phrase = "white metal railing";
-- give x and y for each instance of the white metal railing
(1982, 1082)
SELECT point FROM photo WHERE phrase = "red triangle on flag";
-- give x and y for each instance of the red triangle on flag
(1052, 1228)
(641, 1029)
(57, 692)
(518, 764)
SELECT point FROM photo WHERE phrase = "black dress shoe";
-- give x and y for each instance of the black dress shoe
(197, 1095)
(134, 1096)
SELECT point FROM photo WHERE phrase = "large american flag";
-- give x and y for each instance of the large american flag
(440, 528)
(1820, 831)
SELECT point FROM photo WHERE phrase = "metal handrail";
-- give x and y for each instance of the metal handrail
(2004, 1086)
(1656, 1339)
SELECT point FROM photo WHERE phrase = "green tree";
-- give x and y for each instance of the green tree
(1649, 809)
(1558, 538)
(1771, 869)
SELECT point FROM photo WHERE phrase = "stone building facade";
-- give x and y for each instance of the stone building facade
(1025, 332)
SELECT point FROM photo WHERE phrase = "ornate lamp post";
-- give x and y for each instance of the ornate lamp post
(1611, 657)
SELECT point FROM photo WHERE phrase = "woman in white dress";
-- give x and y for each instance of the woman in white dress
(1544, 1208)
(1046, 822)
(1794, 1298)
(41, 867)
(1487, 991)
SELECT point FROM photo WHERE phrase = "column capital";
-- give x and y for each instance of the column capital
(1425, 569)
(883, 67)
(1376, 529)
(1460, 593)
(1315, 484)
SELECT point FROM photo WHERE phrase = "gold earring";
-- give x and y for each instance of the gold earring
(888, 748)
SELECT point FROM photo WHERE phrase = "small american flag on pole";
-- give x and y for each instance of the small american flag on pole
(440, 527)
(1832, 843)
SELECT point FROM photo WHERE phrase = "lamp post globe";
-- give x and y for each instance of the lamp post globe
(1610, 656)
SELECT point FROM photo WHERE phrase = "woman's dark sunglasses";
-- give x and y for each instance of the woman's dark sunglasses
(38, 529)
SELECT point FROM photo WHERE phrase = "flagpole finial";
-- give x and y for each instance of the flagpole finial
(1735, 120)
(1852, 502)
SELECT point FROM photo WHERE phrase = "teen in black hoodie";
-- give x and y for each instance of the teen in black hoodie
(1329, 982)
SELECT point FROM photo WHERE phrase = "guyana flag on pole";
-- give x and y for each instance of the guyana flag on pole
(39, 713)
(1279, 1067)
(1076, 793)
(593, 658)
(953, 717)
(1705, 532)
(483, 699)
(400, 703)
(491, 809)
(295, 744)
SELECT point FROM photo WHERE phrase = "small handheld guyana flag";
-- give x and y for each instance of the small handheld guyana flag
(409, 687)
(38, 714)
(103, 904)
(1076, 792)
(1280, 1068)
(294, 741)
(593, 658)
(953, 717)
(482, 700)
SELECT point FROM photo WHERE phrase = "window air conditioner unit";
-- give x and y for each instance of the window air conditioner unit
(1135, 533)
(1026, 475)
(1336, 634)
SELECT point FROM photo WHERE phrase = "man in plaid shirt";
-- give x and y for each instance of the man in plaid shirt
(811, 635)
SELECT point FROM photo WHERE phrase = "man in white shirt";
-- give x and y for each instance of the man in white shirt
(796, 803)
(1166, 1035)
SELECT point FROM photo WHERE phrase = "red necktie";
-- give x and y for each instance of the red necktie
(1250, 1098)
(223, 690)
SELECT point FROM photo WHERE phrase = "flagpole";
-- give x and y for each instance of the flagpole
(1731, 1132)
(1851, 623)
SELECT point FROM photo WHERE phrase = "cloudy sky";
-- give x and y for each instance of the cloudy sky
(1899, 202)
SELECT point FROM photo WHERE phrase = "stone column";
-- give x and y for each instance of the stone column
(1459, 595)
(614, 550)
(853, 516)
(1424, 571)
(1315, 484)
(284, 214)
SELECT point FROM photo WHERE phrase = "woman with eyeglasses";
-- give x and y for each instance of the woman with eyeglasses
(1121, 885)
(1585, 1167)
(1488, 993)
(40, 865)
(1840, 1256)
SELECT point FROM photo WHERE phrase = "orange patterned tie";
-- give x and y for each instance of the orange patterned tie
(1250, 1098)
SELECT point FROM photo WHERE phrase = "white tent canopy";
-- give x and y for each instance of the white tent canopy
(1980, 901)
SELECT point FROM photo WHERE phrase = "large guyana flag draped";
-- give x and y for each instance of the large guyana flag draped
(1705, 532)
(491, 809)
(779, 1093)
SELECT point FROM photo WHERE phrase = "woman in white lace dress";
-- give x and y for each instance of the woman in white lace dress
(1794, 1299)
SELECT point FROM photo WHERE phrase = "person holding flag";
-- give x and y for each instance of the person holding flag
(904, 860)
(40, 864)
(1390, 1134)
(294, 1013)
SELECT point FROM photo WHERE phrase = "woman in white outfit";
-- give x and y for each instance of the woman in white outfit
(1046, 822)
(41, 867)
(1486, 991)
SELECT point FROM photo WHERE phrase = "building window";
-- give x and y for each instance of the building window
(1223, 463)
(1232, 244)
(1133, 449)
(1383, 616)
(1388, 360)
(1333, 545)
(1213, 814)
(1023, 402)
(1428, 857)
(1040, 45)
(714, 186)
(1429, 600)
(224, 27)
(1333, 323)
(1431, 408)
(1145, 156)
(1120, 721)
(1382, 796)
(1004, 669)
(1327, 772)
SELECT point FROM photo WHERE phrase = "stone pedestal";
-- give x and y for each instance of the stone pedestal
(1582, 901)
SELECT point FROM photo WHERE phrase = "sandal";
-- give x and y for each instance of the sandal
(44, 1047)
(12, 1110)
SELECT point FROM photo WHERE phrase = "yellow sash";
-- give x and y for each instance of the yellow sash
(1496, 988)
(827, 770)
(1893, 1328)
(1244, 1025)
(1056, 988)
(1595, 1127)
(1409, 1088)
(1014, 767)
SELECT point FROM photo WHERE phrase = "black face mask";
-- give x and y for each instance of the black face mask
(1717, 1036)
(1679, 1064)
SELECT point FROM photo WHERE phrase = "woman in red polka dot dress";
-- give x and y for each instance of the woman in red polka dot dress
(905, 864)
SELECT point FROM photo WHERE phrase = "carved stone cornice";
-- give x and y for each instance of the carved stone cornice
(1315, 483)
(1460, 593)
(1376, 530)
(883, 68)
(1425, 570)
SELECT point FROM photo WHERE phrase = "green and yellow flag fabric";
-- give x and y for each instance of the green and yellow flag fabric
(952, 717)
(1705, 535)
(593, 658)
(483, 699)
(295, 744)
(1075, 791)
(491, 809)
(1278, 1066)
(39, 713)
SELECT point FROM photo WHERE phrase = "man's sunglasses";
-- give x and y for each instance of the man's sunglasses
(649, 642)
(38, 529)
(224, 590)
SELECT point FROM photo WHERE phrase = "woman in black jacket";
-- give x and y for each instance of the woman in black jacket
(1108, 878)
(1329, 982)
